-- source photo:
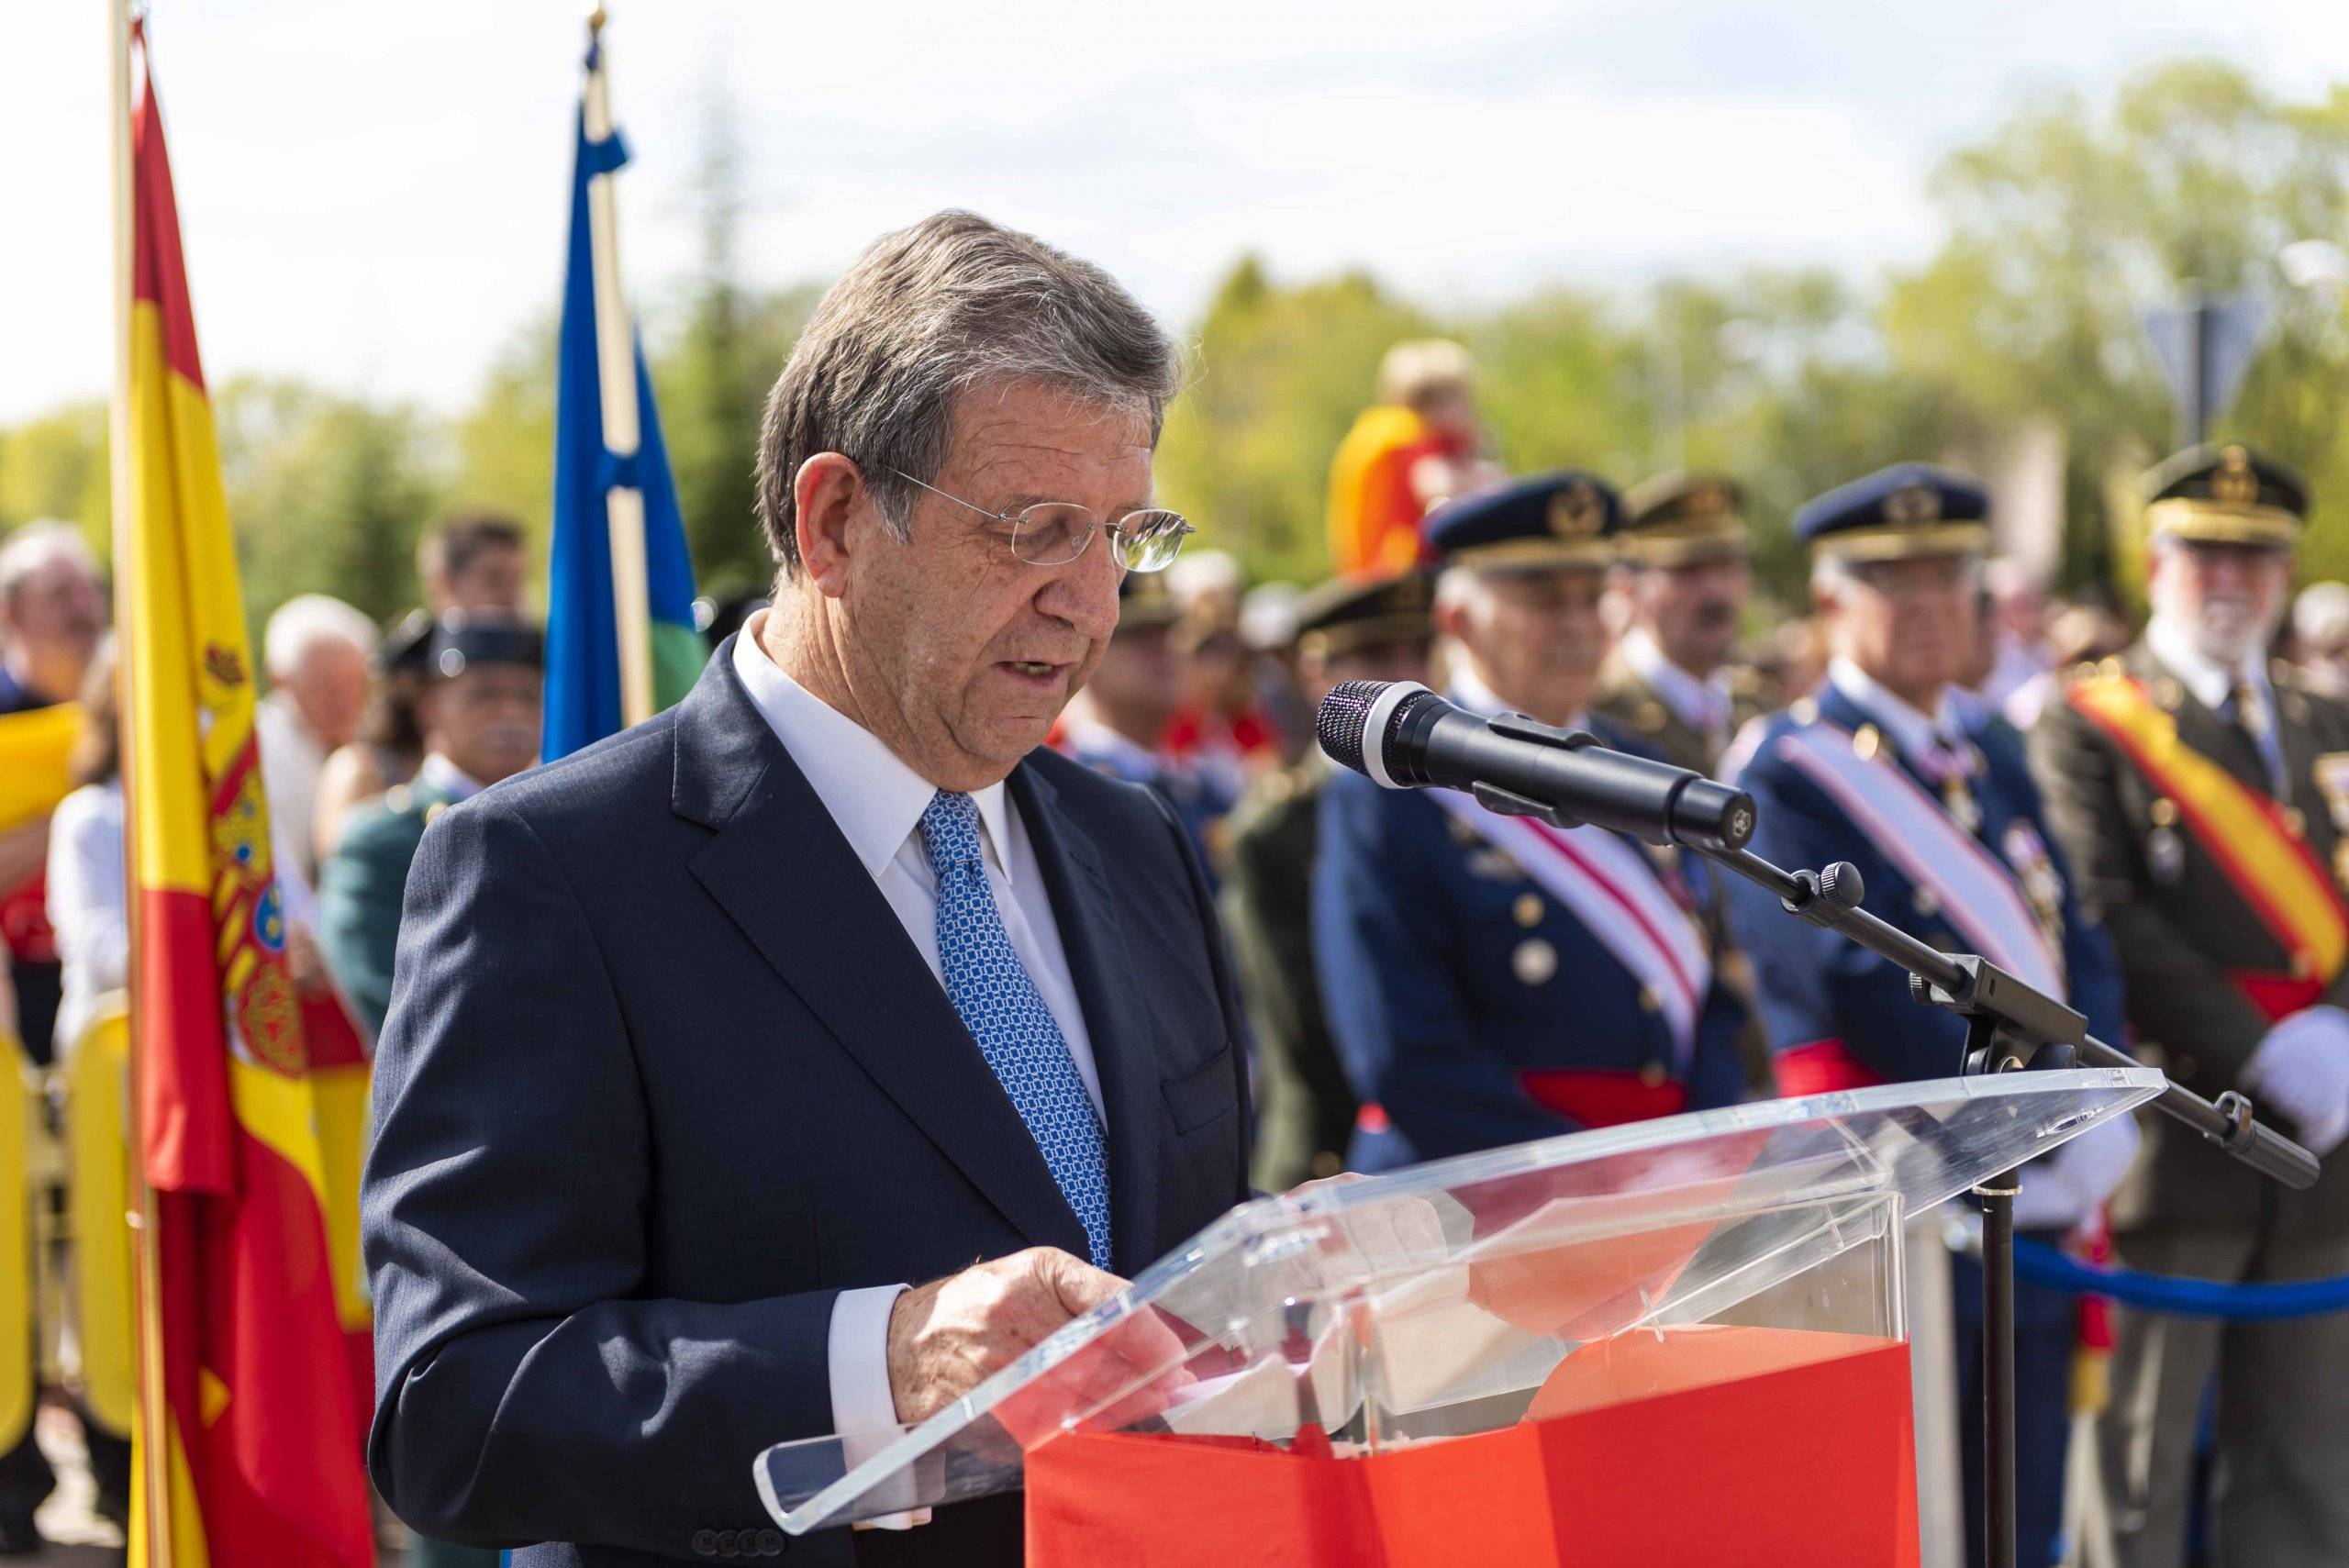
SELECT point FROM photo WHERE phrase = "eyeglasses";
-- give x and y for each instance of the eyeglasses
(1053, 533)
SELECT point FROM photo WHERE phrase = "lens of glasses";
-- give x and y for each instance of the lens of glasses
(1051, 533)
(1149, 540)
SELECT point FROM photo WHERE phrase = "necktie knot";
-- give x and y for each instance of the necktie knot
(950, 831)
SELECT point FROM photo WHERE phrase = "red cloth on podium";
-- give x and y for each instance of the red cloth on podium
(1691, 1447)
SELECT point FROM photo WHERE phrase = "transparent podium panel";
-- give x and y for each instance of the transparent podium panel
(1468, 1295)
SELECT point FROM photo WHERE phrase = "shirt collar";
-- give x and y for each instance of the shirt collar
(448, 778)
(873, 797)
(2210, 682)
(1914, 733)
(1705, 704)
(1470, 693)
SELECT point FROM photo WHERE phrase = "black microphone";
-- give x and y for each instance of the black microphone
(1405, 737)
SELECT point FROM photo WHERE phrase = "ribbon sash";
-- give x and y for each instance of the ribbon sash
(1977, 893)
(1613, 889)
(2243, 829)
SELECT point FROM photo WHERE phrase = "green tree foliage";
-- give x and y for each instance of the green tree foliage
(2065, 222)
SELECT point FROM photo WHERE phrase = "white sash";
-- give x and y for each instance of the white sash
(1613, 889)
(1977, 893)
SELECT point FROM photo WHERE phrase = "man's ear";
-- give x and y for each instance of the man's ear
(825, 496)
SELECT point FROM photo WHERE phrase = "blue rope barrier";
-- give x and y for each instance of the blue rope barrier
(2173, 1296)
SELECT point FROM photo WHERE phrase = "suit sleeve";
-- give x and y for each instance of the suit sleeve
(1390, 983)
(1817, 984)
(2177, 997)
(524, 1389)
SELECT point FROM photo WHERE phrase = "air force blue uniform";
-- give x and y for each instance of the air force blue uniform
(1472, 1009)
(1838, 1016)
(1450, 979)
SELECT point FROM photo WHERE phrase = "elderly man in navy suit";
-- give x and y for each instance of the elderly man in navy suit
(787, 1064)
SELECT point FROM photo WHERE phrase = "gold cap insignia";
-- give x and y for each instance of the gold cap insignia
(2234, 483)
(1576, 512)
(1913, 503)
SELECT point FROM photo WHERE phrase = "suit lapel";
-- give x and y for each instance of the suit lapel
(787, 876)
(1102, 965)
(2200, 727)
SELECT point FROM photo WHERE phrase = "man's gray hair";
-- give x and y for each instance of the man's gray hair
(927, 314)
(304, 621)
(26, 550)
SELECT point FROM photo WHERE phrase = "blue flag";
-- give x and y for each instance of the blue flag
(583, 689)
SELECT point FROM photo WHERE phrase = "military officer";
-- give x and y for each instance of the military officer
(1350, 630)
(2204, 795)
(1491, 979)
(1945, 827)
(1669, 679)
(480, 715)
(1116, 723)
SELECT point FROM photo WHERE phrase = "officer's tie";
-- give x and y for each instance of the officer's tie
(2251, 720)
(999, 1004)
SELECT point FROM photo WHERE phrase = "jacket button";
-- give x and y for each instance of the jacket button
(770, 1543)
(726, 1543)
(705, 1543)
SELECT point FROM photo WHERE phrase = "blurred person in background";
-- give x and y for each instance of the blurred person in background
(315, 652)
(2076, 634)
(1116, 725)
(479, 716)
(1480, 974)
(1684, 584)
(1220, 733)
(2018, 620)
(1419, 445)
(2321, 637)
(474, 562)
(52, 612)
(2203, 793)
(86, 910)
(1941, 819)
(1349, 630)
(1268, 631)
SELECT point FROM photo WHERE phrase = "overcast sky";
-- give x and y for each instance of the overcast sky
(373, 196)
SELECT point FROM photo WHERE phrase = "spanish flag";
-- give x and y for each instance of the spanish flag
(246, 1365)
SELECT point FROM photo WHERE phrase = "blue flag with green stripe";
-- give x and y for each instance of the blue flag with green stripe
(583, 691)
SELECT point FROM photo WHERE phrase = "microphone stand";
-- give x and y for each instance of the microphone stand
(2009, 1026)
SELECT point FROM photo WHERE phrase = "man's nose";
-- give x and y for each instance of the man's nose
(1085, 591)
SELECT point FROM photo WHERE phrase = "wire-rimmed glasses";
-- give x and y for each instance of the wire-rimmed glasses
(1053, 533)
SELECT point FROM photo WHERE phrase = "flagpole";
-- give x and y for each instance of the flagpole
(154, 1446)
(616, 364)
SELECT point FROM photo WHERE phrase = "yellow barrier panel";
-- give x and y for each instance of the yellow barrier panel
(16, 1108)
(97, 1122)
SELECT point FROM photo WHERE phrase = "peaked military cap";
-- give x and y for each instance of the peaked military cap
(1144, 602)
(1679, 517)
(1909, 509)
(1363, 612)
(462, 641)
(1566, 519)
(2225, 494)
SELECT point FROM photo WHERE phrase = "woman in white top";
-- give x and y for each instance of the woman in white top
(86, 885)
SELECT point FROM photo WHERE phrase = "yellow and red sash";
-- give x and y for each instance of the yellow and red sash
(2245, 831)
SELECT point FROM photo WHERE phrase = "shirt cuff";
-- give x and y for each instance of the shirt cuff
(857, 1351)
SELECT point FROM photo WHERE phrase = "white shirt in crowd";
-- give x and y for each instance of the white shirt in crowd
(291, 762)
(876, 801)
(85, 904)
(1703, 705)
(1914, 732)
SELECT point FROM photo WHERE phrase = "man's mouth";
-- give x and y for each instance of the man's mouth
(1041, 671)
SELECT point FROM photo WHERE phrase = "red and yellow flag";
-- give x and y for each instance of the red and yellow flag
(259, 1460)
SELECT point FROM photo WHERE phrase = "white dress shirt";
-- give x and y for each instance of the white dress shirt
(2210, 682)
(1915, 733)
(291, 760)
(876, 801)
(1703, 705)
(85, 903)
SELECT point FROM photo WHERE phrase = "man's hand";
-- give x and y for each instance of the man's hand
(950, 1335)
(2302, 1069)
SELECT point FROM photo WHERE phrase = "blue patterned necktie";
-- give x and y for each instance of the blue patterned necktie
(999, 1004)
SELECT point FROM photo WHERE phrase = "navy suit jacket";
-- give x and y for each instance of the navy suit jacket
(663, 1074)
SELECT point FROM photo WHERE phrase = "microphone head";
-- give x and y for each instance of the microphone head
(1339, 723)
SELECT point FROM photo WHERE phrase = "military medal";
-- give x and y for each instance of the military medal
(2036, 869)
